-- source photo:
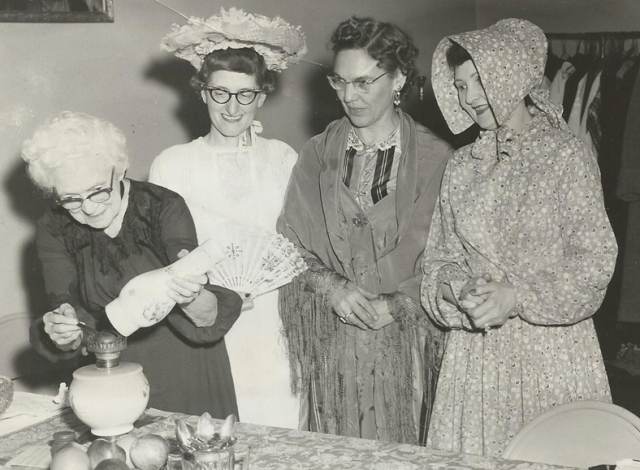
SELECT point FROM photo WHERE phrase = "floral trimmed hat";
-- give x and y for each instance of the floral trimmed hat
(510, 57)
(276, 40)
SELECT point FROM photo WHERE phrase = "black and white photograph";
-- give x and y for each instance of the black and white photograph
(348, 234)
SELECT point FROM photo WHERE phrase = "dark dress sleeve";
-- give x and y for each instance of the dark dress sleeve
(61, 286)
(179, 232)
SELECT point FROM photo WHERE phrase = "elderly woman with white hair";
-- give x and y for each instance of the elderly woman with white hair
(103, 230)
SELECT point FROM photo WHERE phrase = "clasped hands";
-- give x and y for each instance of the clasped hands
(360, 308)
(488, 303)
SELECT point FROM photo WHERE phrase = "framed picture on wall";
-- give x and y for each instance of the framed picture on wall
(56, 11)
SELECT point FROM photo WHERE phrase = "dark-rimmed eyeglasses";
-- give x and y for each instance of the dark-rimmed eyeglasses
(361, 85)
(222, 96)
(100, 196)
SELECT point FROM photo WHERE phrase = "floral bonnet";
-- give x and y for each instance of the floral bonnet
(510, 57)
(276, 40)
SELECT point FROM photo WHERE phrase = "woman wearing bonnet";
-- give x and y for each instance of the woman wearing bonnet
(233, 176)
(520, 252)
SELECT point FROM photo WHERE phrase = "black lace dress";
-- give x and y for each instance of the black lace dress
(187, 367)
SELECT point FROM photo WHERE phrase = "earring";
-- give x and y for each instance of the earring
(396, 99)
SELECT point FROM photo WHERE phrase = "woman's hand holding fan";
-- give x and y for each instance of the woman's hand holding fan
(257, 261)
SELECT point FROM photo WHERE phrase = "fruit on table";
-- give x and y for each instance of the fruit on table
(102, 449)
(126, 442)
(112, 464)
(71, 456)
(6, 392)
(149, 452)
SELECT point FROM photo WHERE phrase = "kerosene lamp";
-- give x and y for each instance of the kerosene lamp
(110, 395)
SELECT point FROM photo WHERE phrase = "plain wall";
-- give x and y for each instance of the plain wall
(564, 16)
(118, 72)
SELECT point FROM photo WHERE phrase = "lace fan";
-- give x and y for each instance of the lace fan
(256, 261)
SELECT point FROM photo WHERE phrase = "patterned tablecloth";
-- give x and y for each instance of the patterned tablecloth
(280, 449)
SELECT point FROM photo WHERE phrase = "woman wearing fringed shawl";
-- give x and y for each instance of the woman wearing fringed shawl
(520, 252)
(359, 206)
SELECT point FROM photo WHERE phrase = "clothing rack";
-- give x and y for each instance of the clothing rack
(599, 39)
(619, 54)
(595, 35)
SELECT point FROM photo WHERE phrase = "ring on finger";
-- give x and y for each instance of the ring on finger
(344, 318)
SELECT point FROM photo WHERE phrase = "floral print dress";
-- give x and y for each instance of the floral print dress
(527, 208)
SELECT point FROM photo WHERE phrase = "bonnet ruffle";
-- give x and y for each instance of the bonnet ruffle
(510, 57)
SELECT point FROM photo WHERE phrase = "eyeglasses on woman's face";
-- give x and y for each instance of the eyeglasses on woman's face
(73, 203)
(222, 95)
(361, 85)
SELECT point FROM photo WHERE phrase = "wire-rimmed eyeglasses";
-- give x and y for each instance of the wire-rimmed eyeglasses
(361, 85)
(222, 96)
(100, 196)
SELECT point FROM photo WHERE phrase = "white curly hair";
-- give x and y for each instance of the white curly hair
(73, 135)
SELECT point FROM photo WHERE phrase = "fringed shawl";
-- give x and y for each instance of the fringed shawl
(317, 341)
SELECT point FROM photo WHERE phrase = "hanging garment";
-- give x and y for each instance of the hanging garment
(617, 85)
(556, 90)
(576, 107)
(592, 117)
(582, 118)
(581, 63)
(628, 190)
